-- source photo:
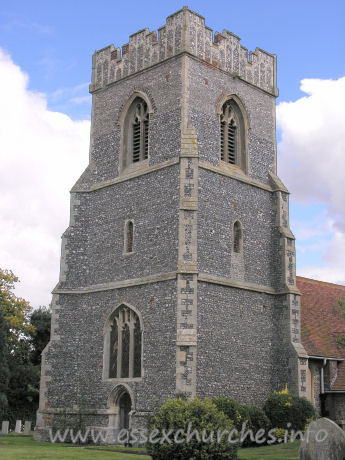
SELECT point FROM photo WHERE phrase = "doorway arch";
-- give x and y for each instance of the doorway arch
(121, 404)
(125, 406)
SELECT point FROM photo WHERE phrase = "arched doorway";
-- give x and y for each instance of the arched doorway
(120, 403)
(125, 406)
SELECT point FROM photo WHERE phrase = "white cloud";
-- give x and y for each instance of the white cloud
(42, 155)
(40, 29)
(68, 98)
(312, 160)
(81, 99)
(312, 235)
(69, 91)
(334, 257)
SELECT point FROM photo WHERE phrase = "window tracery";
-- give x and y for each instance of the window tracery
(125, 344)
(232, 141)
(136, 132)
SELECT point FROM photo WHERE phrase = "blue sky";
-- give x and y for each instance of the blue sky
(53, 42)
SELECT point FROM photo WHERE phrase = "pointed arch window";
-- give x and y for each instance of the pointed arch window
(136, 133)
(232, 140)
(237, 237)
(124, 341)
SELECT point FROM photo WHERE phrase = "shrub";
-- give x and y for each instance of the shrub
(283, 408)
(311, 419)
(281, 433)
(232, 409)
(256, 420)
(194, 416)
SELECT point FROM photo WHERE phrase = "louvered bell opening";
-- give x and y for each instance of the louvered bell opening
(232, 143)
(146, 139)
(136, 142)
(222, 131)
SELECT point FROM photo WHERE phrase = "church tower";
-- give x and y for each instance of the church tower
(178, 266)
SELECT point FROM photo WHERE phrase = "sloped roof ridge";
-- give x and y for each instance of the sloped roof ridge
(324, 283)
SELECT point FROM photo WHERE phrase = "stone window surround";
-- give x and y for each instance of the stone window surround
(106, 350)
(113, 403)
(125, 237)
(125, 164)
(240, 251)
(242, 164)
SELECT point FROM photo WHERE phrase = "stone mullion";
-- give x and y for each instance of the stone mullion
(119, 350)
(107, 346)
(131, 348)
(226, 140)
(142, 140)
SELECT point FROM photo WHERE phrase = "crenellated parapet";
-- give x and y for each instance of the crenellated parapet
(184, 31)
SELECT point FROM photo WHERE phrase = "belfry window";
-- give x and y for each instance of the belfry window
(136, 132)
(124, 344)
(237, 237)
(232, 143)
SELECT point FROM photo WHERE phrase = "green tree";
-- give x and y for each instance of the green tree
(22, 338)
(4, 369)
(16, 312)
(40, 319)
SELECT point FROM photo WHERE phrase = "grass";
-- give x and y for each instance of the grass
(287, 451)
(25, 448)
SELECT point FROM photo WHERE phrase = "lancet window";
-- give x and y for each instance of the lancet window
(232, 143)
(136, 132)
(237, 237)
(129, 237)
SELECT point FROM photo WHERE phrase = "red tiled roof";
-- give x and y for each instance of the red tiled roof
(322, 321)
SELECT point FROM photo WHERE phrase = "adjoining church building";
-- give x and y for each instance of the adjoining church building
(178, 266)
(323, 337)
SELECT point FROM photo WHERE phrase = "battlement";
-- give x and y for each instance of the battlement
(184, 31)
